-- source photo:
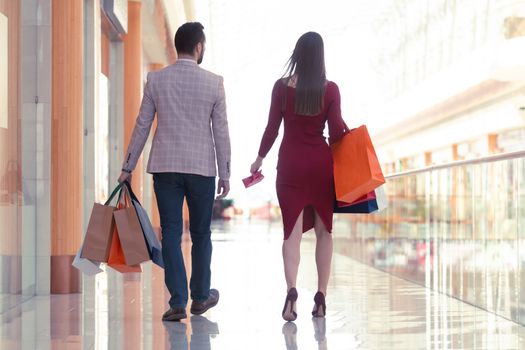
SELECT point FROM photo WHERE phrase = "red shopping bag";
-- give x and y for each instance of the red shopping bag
(365, 198)
(356, 167)
(376, 201)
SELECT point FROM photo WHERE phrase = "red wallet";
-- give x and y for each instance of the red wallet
(253, 179)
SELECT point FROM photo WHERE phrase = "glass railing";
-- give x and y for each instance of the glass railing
(456, 228)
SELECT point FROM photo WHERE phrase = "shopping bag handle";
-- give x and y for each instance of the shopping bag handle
(113, 194)
(130, 191)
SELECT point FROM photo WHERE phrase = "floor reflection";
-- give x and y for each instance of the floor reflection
(320, 332)
(202, 330)
(178, 339)
(366, 308)
(290, 334)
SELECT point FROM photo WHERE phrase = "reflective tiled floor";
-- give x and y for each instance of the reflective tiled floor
(367, 309)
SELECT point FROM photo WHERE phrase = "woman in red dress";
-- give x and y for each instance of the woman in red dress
(305, 101)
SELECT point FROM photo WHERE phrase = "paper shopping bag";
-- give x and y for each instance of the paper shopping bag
(97, 240)
(153, 243)
(356, 167)
(366, 207)
(375, 203)
(130, 232)
(381, 198)
(86, 266)
(365, 198)
(117, 259)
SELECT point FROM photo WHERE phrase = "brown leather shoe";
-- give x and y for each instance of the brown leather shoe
(200, 307)
(174, 314)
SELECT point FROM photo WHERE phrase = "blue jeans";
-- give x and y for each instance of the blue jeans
(170, 190)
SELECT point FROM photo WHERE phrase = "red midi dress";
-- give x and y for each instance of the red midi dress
(305, 179)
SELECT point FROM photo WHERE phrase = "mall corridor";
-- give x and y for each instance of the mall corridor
(440, 87)
(367, 308)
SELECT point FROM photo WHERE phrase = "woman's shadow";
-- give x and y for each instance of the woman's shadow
(290, 334)
(202, 330)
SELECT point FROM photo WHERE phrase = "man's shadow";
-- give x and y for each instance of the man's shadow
(202, 330)
(290, 334)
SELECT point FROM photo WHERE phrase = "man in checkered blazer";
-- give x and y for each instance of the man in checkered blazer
(191, 142)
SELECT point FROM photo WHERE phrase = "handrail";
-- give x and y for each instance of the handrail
(485, 159)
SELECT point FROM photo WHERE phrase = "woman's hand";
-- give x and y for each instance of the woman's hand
(256, 165)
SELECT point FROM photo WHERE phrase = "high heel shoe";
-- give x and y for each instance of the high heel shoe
(289, 313)
(320, 305)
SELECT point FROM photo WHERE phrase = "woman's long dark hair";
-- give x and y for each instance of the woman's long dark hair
(307, 63)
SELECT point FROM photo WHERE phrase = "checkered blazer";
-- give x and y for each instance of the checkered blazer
(192, 129)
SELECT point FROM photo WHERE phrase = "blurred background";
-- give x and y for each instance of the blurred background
(434, 81)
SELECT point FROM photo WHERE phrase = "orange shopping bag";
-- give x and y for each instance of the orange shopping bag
(356, 167)
(116, 258)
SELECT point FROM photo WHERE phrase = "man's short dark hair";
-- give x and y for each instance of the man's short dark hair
(188, 36)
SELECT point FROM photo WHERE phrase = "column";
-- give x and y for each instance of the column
(159, 297)
(66, 148)
(492, 144)
(455, 152)
(92, 165)
(35, 125)
(91, 83)
(428, 158)
(133, 84)
(117, 148)
(132, 296)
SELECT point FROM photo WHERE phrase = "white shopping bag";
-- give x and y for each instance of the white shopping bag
(381, 199)
(87, 266)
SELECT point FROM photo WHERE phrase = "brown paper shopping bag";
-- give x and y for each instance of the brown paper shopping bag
(130, 231)
(100, 230)
(356, 167)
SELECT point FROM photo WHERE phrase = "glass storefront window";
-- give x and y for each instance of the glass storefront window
(3, 70)
(18, 146)
(10, 172)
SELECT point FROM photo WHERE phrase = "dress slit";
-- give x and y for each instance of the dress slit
(309, 211)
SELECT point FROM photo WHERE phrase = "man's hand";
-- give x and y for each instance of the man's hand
(124, 176)
(223, 187)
